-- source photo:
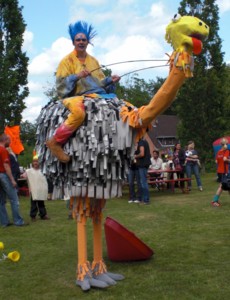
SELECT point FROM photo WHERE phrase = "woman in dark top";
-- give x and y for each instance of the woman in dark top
(179, 162)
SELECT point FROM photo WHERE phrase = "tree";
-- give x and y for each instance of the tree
(13, 64)
(227, 108)
(28, 133)
(28, 138)
(201, 102)
(135, 91)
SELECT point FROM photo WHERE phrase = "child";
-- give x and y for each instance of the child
(222, 160)
(39, 190)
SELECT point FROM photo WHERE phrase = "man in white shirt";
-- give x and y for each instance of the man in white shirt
(156, 161)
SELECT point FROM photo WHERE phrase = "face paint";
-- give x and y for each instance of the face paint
(80, 42)
(80, 37)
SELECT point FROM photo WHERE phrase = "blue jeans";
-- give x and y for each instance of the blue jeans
(144, 184)
(193, 168)
(7, 190)
(134, 174)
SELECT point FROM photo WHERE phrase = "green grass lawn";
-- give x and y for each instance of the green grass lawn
(191, 241)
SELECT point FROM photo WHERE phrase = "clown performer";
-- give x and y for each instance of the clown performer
(97, 133)
(73, 79)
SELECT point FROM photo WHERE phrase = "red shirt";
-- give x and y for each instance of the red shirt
(4, 158)
(222, 167)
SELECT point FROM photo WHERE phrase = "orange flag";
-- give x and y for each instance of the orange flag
(14, 133)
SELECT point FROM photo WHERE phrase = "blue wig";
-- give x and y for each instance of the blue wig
(82, 27)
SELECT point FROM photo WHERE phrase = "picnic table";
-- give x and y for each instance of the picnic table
(158, 179)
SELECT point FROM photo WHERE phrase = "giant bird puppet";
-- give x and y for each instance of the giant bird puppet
(97, 149)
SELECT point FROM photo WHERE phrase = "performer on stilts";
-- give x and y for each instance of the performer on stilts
(91, 134)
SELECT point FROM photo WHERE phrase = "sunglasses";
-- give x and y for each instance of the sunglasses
(79, 40)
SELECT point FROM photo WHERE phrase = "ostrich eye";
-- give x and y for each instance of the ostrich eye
(176, 17)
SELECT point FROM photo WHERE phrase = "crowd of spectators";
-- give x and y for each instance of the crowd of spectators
(182, 162)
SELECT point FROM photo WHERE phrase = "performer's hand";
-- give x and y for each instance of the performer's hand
(115, 78)
(83, 74)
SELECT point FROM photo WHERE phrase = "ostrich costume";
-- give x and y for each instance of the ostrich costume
(100, 146)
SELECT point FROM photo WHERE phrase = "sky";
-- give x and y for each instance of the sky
(126, 30)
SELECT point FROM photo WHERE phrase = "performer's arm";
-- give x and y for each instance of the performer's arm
(109, 83)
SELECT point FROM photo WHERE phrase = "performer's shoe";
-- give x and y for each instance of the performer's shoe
(57, 150)
(88, 282)
(109, 278)
(115, 276)
(105, 278)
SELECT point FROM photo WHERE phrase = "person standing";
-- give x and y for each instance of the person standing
(134, 197)
(38, 186)
(15, 168)
(192, 166)
(222, 161)
(179, 162)
(143, 161)
(8, 187)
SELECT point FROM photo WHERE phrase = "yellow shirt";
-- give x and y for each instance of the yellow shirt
(67, 82)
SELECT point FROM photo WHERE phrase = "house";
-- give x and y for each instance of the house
(163, 134)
